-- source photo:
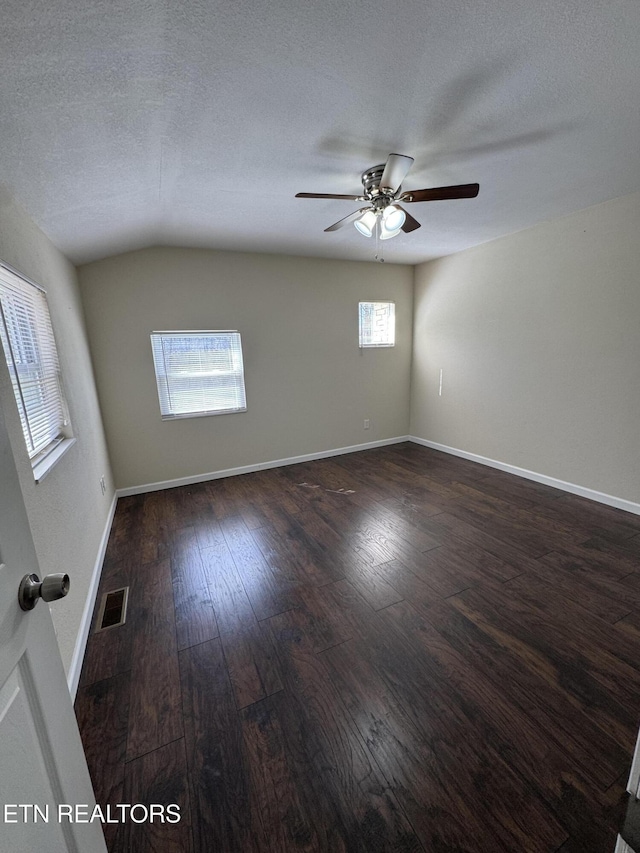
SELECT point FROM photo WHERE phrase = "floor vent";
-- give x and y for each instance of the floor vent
(113, 609)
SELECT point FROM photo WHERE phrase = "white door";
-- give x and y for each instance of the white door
(41, 758)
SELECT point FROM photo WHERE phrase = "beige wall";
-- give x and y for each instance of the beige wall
(538, 336)
(67, 511)
(309, 387)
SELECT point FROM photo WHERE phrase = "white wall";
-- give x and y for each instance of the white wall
(538, 336)
(309, 387)
(67, 511)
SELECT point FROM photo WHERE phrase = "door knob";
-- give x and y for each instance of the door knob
(50, 588)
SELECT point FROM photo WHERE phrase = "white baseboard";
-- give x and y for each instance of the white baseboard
(260, 466)
(73, 676)
(600, 497)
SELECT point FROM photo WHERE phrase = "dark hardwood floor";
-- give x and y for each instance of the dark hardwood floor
(395, 650)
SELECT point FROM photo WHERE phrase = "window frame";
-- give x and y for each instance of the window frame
(163, 382)
(361, 334)
(38, 336)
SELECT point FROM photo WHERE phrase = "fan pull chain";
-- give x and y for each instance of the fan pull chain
(379, 257)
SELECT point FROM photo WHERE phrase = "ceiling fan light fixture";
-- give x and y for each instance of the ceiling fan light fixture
(367, 223)
(393, 217)
(392, 221)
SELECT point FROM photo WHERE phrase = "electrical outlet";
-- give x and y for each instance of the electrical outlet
(366, 423)
(103, 485)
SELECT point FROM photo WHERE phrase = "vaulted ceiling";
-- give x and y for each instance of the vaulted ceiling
(128, 123)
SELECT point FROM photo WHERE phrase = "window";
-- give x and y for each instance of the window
(198, 373)
(30, 350)
(377, 324)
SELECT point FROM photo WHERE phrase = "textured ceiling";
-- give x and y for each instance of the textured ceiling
(127, 123)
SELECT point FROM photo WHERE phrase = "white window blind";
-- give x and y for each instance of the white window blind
(377, 324)
(30, 350)
(199, 373)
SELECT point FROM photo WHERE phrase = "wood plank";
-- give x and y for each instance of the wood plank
(526, 493)
(390, 479)
(102, 712)
(155, 531)
(627, 552)
(223, 497)
(323, 620)
(284, 561)
(188, 506)
(156, 703)
(413, 510)
(206, 526)
(194, 614)
(124, 528)
(284, 815)
(353, 509)
(506, 560)
(159, 778)
(631, 585)
(346, 781)
(601, 520)
(469, 506)
(547, 531)
(231, 604)
(269, 591)
(630, 626)
(450, 569)
(435, 464)
(301, 547)
(598, 558)
(216, 758)
(329, 474)
(408, 584)
(329, 549)
(371, 532)
(250, 491)
(372, 584)
(604, 596)
(253, 666)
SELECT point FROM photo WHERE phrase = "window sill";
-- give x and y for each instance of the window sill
(42, 468)
(202, 414)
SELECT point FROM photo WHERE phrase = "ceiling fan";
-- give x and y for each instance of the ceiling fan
(382, 189)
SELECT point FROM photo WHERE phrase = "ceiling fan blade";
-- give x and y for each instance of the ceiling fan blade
(440, 193)
(347, 219)
(329, 195)
(395, 171)
(410, 224)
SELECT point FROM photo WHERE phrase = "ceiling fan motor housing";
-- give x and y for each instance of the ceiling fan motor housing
(371, 178)
(371, 182)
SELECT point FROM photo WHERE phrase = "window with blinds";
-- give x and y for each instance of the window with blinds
(30, 350)
(198, 373)
(377, 324)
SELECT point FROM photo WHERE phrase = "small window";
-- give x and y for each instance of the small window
(198, 373)
(377, 324)
(30, 350)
